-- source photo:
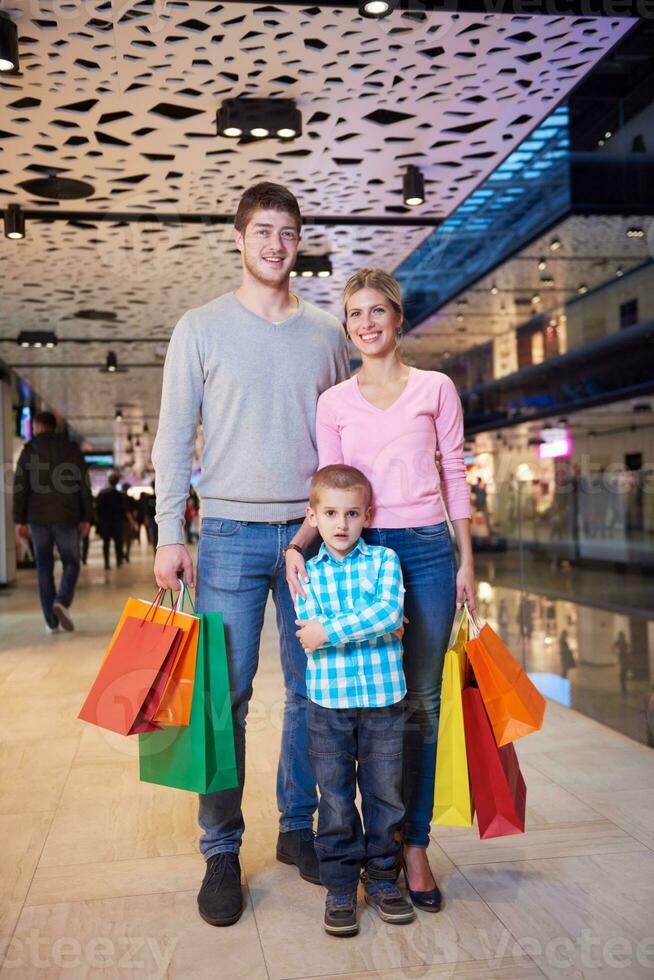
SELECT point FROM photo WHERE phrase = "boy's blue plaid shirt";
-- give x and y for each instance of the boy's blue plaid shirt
(358, 601)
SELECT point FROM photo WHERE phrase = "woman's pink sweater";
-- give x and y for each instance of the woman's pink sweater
(395, 448)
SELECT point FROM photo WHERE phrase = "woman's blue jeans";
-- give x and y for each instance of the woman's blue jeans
(239, 564)
(429, 570)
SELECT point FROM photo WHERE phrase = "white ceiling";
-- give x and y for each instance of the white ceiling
(93, 101)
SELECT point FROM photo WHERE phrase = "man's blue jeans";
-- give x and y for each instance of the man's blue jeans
(350, 745)
(44, 539)
(239, 563)
(429, 571)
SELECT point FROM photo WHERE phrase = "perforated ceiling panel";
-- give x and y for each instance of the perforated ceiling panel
(125, 97)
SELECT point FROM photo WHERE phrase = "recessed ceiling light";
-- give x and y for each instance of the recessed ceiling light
(259, 132)
(555, 245)
(286, 133)
(583, 288)
(376, 8)
(494, 290)
(232, 131)
(307, 274)
(619, 272)
(542, 264)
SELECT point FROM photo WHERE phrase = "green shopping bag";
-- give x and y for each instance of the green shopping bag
(200, 757)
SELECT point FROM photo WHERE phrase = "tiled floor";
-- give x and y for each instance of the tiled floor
(100, 872)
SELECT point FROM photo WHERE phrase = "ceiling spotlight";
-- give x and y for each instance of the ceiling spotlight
(542, 264)
(308, 266)
(546, 281)
(8, 44)
(583, 288)
(258, 118)
(119, 415)
(555, 245)
(459, 318)
(535, 298)
(619, 272)
(112, 362)
(14, 219)
(494, 290)
(608, 134)
(37, 338)
(376, 8)
(292, 273)
(413, 186)
(635, 233)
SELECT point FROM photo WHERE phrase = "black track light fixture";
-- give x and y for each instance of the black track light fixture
(119, 415)
(8, 44)
(259, 118)
(37, 339)
(308, 266)
(14, 221)
(413, 186)
(376, 9)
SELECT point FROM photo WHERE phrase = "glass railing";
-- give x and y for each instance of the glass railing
(567, 579)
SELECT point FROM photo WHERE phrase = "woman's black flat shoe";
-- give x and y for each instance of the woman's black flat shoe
(430, 901)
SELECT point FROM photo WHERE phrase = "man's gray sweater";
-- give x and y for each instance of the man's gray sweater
(254, 385)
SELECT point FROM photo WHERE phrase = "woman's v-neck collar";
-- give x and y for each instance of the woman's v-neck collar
(383, 411)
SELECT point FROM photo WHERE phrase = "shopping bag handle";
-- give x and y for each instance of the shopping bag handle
(473, 621)
(184, 593)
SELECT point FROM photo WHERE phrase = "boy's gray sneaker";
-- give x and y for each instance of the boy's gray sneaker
(384, 896)
(341, 914)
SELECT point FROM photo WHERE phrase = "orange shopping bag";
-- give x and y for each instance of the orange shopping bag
(514, 705)
(126, 693)
(175, 705)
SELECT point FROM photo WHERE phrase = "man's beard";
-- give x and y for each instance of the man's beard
(267, 277)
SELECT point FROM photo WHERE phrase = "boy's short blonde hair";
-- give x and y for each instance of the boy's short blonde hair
(339, 477)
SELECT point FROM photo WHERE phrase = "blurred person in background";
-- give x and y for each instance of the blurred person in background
(53, 505)
(111, 513)
(130, 523)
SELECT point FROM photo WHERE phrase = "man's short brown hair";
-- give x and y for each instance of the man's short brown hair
(266, 196)
(46, 420)
(339, 477)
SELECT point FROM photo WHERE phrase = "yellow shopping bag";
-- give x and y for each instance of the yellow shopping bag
(452, 801)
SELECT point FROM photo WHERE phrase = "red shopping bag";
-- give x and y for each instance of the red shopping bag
(499, 793)
(514, 705)
(128, 689)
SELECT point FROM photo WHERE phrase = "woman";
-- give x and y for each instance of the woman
(389, 421)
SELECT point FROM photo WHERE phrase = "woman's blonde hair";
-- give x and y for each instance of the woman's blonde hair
(375, 279)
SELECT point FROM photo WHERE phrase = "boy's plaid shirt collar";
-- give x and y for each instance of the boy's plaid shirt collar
(360, 548)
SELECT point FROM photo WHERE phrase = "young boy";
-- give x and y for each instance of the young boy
(355, 685)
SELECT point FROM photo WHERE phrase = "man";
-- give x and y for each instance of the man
(53, 504)
(251, 364)
(111, 520)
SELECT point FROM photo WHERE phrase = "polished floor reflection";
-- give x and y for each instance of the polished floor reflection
(100, 871)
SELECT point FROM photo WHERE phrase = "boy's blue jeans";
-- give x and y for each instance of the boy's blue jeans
(239, 563)
(350, 745)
